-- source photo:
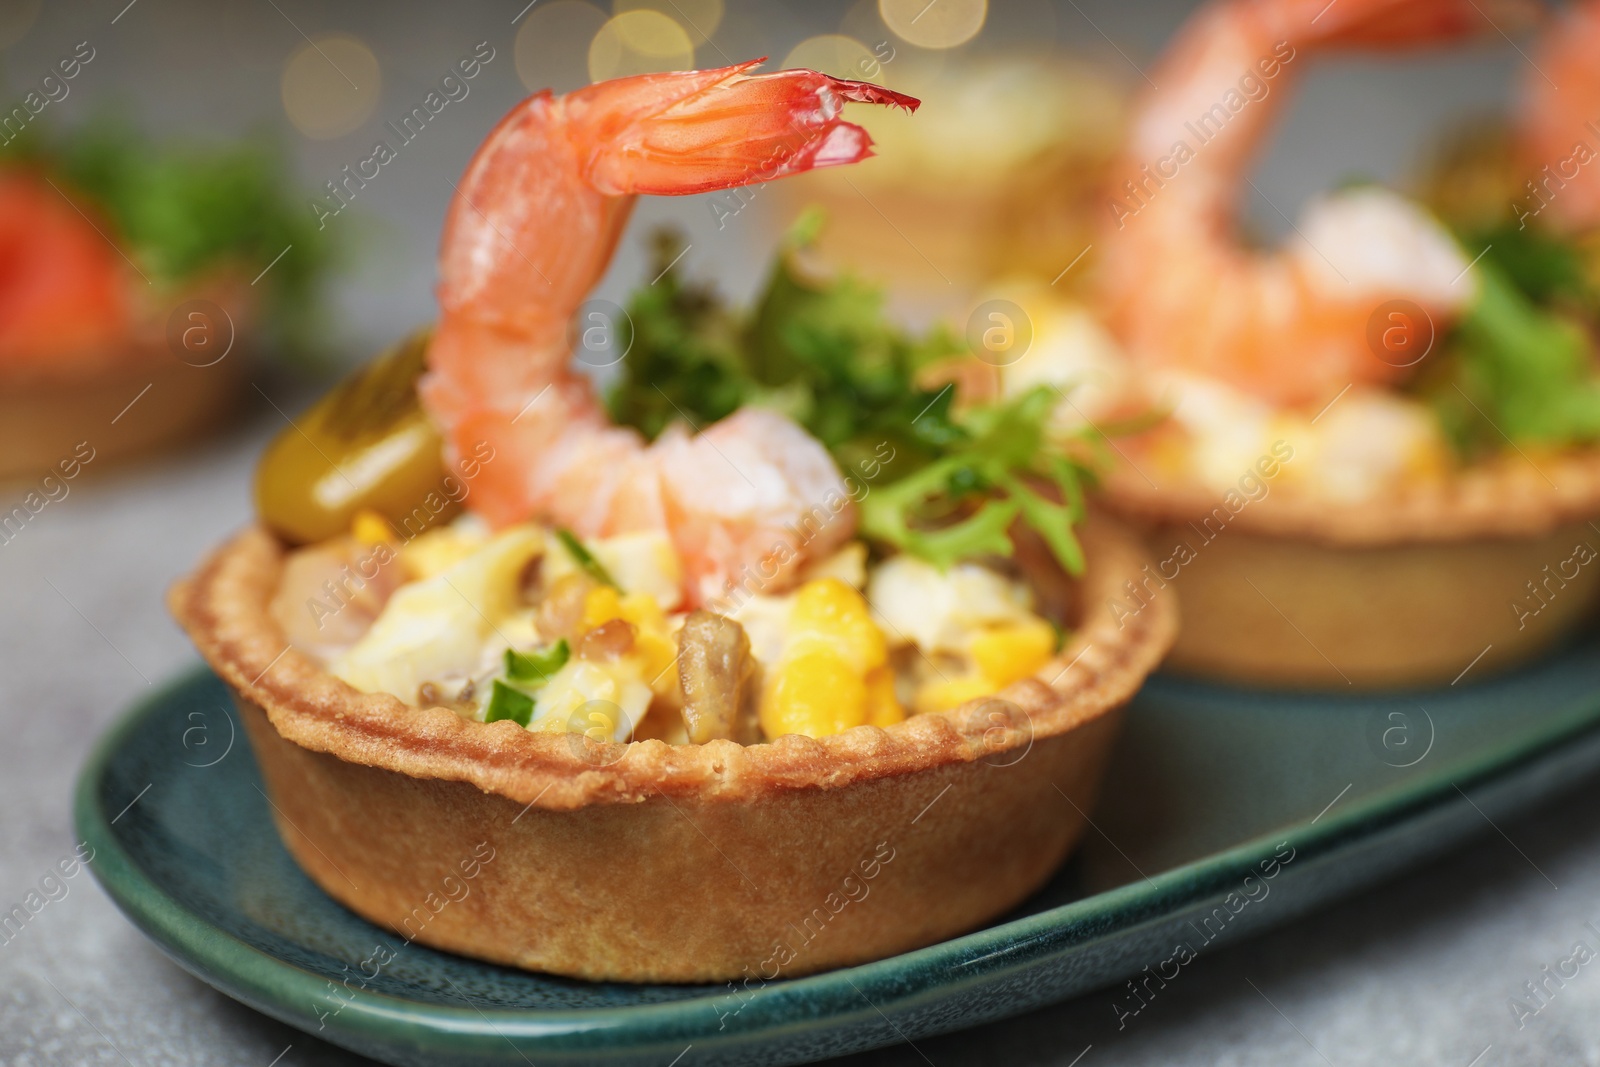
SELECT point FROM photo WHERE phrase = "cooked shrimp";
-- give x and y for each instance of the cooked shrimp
(1557, 131)
(1288, 324)
(533, 224)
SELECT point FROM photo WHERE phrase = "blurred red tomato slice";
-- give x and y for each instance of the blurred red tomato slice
(63, 288)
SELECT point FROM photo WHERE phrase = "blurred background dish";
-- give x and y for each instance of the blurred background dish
(1378, 463)
(1002, 172)
(129, 267)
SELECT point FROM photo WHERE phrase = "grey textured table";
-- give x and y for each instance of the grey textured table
(1421, 970)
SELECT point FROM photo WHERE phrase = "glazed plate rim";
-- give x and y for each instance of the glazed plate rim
(827, 999)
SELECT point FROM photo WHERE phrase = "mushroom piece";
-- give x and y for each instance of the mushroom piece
(714, 672)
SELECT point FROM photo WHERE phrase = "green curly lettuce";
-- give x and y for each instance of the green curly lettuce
(823, 351)
(1519, 364)
(989, 479)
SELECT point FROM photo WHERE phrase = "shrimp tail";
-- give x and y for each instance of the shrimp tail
(668, 135)
(1407, 23)
(1555, 124)
(1374, 25)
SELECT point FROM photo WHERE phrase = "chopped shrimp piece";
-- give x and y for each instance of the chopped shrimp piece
(331, 593)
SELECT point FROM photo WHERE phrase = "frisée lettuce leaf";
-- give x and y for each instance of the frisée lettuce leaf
(1519, 364)
(824, 351)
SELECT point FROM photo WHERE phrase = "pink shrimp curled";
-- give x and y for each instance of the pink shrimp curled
(1178, 286)
(534, 222)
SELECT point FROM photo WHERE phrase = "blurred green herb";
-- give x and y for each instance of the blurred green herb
(963, 503)
(1519, 363)
(683, 359)
(584, 558)
(530, 670)
(1545, 267)
(184, 210)
(508, 703)
(823, 351)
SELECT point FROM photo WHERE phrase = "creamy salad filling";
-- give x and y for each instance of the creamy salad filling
(592, 637)
(1364, 441)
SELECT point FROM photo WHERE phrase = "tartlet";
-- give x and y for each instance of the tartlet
(142, 282)
(678, 863)
(1413, 585)
(1050, 126)
(527, 742)
(1427, 363)
(145, 395)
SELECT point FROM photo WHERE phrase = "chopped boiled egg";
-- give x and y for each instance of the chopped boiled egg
(1363, 440)
(1229, 429)
(442, 547)
(766, 623)
(939, 612)
(438, 626)
(518, 630)
(644, 562)
(1074, 352)
(604, 700)
(1372, 438)
(978, 620)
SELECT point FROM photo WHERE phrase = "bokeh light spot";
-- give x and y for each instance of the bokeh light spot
(330, 86)
(549, 48)
(639, 42)
(838, 55)
(700, 17)
(748, 32)
(934, 23)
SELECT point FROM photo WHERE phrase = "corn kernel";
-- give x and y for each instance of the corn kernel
(660, 657)
(816, 692)
(642, 610)
(602, 604)
(883, 706)
(370, 528)
(829, 614)
(1009, 653)
(946, 695)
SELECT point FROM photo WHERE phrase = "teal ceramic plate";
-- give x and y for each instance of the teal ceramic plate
(1225, 812)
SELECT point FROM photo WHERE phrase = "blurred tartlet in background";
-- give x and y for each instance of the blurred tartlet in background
(1002, 171)
(137, 283)
(1380, 466)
